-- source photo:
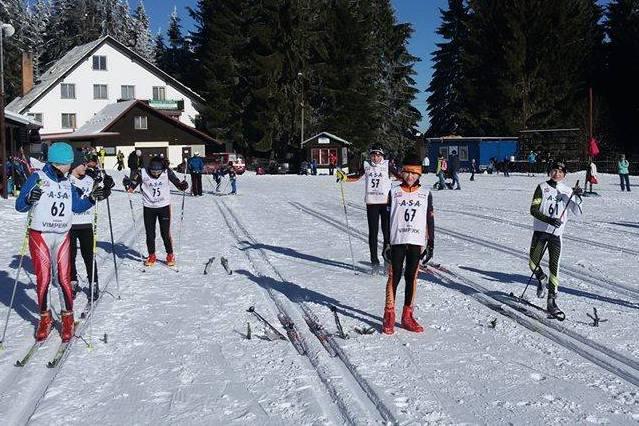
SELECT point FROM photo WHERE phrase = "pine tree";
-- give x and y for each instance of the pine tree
(446, 102)
(623, 61)
(140, 37)
(217, 43)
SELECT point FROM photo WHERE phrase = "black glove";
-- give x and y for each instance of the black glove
(386, 253)
(100, 193)
(182, 186)
(108, 181)
(127, 183)
(427, 254)
(555, 221)
(34, 195)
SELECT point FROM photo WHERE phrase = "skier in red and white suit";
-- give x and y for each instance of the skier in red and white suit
(51, 200)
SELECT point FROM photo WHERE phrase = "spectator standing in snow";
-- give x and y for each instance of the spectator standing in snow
(332, 162)
(425, 164)
(532, 160)
(120, 159)
(196, 167)
(622, 169)
(134, 161)
(454, 169)
(440, 171)
(230, 169)
(473, 166)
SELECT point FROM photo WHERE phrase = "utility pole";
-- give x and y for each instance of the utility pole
(8, 28)
(301, 76)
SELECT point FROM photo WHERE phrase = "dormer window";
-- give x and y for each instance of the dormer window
(159, 93)
(99, 63)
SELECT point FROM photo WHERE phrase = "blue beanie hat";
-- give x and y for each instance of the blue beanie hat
(60, 153)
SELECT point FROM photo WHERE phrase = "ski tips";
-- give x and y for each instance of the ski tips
(251, 309)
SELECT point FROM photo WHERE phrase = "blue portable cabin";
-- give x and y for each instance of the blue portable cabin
(482, 149)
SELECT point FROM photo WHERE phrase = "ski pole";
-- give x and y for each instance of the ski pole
(543, 252)
(93, 268)
(135, 228)
(23, 250)
(186, 165)
(115, 264)
(348, 228)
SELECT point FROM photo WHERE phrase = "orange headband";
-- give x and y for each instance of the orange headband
(412, 169)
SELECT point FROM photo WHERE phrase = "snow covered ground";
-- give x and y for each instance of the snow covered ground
(176, 350)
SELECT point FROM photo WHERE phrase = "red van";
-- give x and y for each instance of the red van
(213, 162)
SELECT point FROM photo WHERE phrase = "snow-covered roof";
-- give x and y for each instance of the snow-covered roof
(99, 124)
(330, 135)
(22, 119)
(104, 118)
(72, 59)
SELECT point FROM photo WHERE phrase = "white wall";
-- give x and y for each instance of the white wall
(120, 71)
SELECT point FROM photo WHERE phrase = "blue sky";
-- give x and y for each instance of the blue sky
(423, 14)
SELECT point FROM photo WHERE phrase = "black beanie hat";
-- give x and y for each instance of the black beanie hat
(78, 159)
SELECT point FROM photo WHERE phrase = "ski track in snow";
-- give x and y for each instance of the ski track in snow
(177, 350)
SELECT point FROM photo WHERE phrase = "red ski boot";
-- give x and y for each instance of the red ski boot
(150, 261)
(170, 259)
(389, 320)
(44, 327)
(67, 325)
(408, 322)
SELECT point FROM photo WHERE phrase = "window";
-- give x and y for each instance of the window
(68, 121)
(463, 153)
(37, 116)
(140, 122)
(100, 91)
(159, 93)
(99, 63)
(443, 151)
(322, 155)
(109, 150)
(128, 92)
(67, 91)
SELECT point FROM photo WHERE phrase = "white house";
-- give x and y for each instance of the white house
(91, 76)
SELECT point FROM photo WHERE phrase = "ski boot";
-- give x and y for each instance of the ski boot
(67, 325)
(170, 259)
(408, 322)
(44, 326)
(150, 261)
(552, 308)
(388, 326)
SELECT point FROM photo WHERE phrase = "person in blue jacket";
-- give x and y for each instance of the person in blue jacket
(51, 200)
(196, 167)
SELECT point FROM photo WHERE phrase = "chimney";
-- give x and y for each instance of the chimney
(27, 72)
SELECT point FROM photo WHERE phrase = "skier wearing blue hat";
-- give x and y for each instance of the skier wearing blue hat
(51, 200)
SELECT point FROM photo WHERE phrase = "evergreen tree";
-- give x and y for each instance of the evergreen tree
(518, 74)
(446, 101)
(140, 37)
(217, 42)
(623, 61)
